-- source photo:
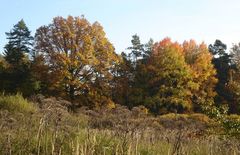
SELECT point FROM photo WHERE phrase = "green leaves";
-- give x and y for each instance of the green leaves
(16, 75)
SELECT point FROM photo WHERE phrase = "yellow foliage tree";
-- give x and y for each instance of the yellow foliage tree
(78, 55)
(204, 74)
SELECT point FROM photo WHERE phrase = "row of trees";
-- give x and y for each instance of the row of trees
(72, 58)
(170, 77)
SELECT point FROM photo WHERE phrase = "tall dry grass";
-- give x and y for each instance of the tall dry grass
(48, 128)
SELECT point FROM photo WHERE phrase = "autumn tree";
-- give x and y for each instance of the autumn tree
(79, 57)
(169, 79)
(174, 78)
(200, 61)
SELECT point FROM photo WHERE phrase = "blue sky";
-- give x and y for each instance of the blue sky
(202, 20)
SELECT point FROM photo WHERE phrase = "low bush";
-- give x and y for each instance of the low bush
(16, 103)
(231, 124)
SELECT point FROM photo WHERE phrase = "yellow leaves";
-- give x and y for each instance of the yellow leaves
(77, 51)
(199, 59)
(182, 72)
(110, 104)
(193, 85)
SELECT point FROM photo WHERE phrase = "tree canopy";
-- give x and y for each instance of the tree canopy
(78, 55)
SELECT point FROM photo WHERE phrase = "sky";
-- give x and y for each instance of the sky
(201, 20)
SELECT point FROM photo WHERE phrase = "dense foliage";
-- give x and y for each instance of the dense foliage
(79, 59)
(73, 59)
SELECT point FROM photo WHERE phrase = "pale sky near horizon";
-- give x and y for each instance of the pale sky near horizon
(202, 20)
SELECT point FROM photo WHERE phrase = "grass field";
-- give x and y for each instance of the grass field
(45, 126)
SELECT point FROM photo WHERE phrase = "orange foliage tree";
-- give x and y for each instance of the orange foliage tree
(175, 78)
(78, 56)
(204, 74)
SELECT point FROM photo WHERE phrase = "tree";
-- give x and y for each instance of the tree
(233, 85)
(175, 78)
(79, 56)
(20, 42)
(122, 81)
(18, 75)
(200, 61)
(218, 49)
(222, 63)
(3, 78)
(169, 79)
(130, 75)
(136, 49)
(235, 53)
(2, 63)
(148, 47)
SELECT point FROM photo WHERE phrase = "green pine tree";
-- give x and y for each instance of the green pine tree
(137, 49)
(17, 76)
(19, 43)
(222, 63)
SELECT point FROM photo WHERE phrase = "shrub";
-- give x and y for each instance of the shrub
(231, 124)
(16, 103)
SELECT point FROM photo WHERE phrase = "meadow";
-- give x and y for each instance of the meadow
(44, 126)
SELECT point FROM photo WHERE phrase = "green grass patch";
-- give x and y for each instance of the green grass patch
(16, 103)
